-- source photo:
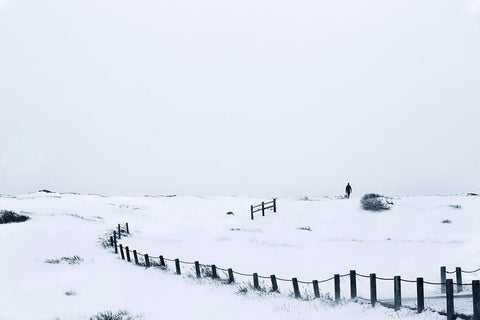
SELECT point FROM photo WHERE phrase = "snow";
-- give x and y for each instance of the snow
(409, 240)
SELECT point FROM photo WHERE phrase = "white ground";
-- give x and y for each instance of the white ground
(408, 240)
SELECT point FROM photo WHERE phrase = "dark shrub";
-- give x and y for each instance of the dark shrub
(375, 202)
(10, 216)
(45, 191)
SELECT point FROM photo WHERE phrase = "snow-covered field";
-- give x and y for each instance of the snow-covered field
(309, 240)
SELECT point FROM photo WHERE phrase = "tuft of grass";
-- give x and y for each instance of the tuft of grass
(109, 315)
(7, 216)
(70, 293)
(70, 260)
(455, 206)
(306, 228)
(446, 221)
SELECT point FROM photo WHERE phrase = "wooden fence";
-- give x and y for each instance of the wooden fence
(211, 270)
(263, 206)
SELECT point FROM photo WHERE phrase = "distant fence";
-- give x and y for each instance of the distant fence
(211, 271)
(263, 206)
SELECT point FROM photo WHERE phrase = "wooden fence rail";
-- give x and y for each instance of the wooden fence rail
(263, 206)
(446, 285)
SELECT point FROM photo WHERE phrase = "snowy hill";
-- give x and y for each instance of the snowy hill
(304, 239)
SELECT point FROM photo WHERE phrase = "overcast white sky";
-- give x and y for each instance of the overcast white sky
(240, 97)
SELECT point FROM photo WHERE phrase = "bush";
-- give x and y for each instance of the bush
(375, 202)
(10, 216)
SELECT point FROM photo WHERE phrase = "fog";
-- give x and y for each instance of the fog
(263, 98)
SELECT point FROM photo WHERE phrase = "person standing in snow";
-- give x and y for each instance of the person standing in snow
(348, 190)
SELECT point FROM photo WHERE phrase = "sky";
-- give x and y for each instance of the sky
(262, 98)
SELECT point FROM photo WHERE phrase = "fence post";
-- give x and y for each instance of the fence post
(119, 233)
(162, 262)
(450, 306)
(353, 284)
(135, 256)
(177, 266)
(296, 290)
(197, 269)
(263, 209)
(121, 251)
(458, 272)
(111, 241)
(251, 211)
(336, 283)
(316, 290)
(116, 247)
(214, 271)
(274, 205)
(443, 277)
(147, 260)
(274, 282)
(476, 299)
(255, 281)
(126, 227)
(420, 296)
(127, 251)
(373, 289)
(231, 279)
(397, 292)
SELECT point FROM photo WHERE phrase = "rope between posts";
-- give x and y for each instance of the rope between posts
(473, 271)
(243, 274)
(385, 279)
(186, 262)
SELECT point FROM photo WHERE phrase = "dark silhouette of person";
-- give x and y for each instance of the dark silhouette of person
(348, 190)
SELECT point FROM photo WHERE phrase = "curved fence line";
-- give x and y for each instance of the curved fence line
(210, 270)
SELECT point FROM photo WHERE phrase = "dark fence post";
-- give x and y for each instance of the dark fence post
(116, 247)
(458, 272)
(127, 251)
(274, 205)
(316, 290)
(450, 307)
(214, 271)
(197, 269)
(121, 251)
(443, 277)
(373, 289)
(135, 256)
(119, 233)
(251, 211)
(274, 282)
(296, 290)
(476, 299)
(111, 241)
(256, 285)
(336, 283)
(126, 227)
(231, 279)
(177, 266)
(397, 292)
(162, 262)
(263, 209)
(353, 284)
(420, 296)
(147, 260)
